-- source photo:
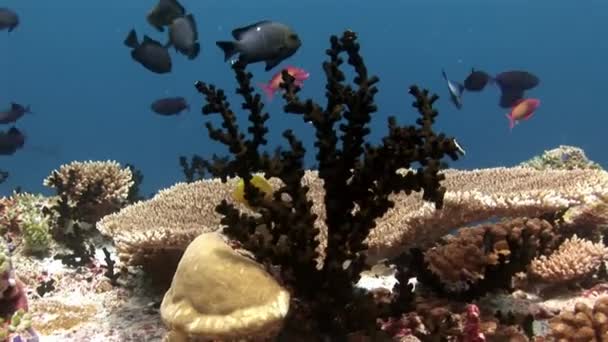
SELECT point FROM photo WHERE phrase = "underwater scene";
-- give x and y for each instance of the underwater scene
(349, 171)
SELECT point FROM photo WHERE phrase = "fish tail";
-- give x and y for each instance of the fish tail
(268, 90)
(229, 48)
(131, 40)
(511, 122)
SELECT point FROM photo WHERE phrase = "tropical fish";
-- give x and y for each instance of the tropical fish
(150, 53)
(257, 181)
(11, 141)
(183, 35)
(164, 13)
(522, 110)
(8, 19)
(477, 80)
(170, 106)
(513, 85)
(265, 41)
(455, 90)
(14, 113)
(299, 75)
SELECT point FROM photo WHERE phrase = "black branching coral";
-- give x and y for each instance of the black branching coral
(358, 179)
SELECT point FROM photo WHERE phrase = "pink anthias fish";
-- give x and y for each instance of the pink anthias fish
(300, 75)
(522, 110)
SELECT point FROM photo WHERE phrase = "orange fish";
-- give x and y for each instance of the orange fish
(522, 110)
(300, 75)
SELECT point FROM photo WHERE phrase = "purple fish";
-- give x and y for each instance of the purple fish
(11, 141)
(170, 106)
(14, 113)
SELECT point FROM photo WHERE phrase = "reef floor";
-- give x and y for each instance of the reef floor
(84, 306)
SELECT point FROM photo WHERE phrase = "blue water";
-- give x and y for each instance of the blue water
(91, 101)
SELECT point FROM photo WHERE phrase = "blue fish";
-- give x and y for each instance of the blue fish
(456, 89)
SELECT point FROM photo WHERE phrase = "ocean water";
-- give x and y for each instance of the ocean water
(91, 101)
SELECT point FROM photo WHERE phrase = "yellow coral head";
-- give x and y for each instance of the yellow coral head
(258, 182)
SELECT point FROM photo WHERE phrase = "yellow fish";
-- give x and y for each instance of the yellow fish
(257, 181)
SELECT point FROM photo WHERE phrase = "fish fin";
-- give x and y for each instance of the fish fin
(193, 53)
(460, 87)
(237, 33)
(148, 40)
(229, 48)
(190, 18)
(267, 90)
(179, 6)
(445, 76)
(272, 63)
(131, 40)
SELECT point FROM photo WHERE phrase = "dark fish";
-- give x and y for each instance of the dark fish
(14, 113)
(510, 96)
(164, 13)
(183, 35)
(477, 80)
(265, 41)
(170, 105)
(150, 53)
(8, 19)
(11, 141)
(521, 80)
(455, 90)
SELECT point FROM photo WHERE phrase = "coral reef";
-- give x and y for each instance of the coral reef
(233, 298)
(89, 190)
(34, 226)
(358, 179)
(583, 324)
(486, 256)
(574, 260)
(563, 157)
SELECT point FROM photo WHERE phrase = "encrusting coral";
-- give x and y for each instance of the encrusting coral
(233, 297)
(89, 190)
(575, 259)
(358, 179)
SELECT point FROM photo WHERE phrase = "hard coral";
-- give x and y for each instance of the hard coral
(489, 254)
(480, 195)
(358, 180)
(219, 294)
(582, 325)
(90, 190)
(563, 157)
(574, 260)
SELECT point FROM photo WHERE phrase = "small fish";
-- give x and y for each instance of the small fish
(183, 35)
(477, 80)
(257, 181)
(14, 113)
(11, 141)
(170, 106)
(8, 19)
(265, 41)
(522, 110)
(150, 53)
(164, 13)
(299, 75)
(455, 90)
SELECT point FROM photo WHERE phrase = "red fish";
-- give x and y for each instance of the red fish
(522, 110)
(300, 75)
